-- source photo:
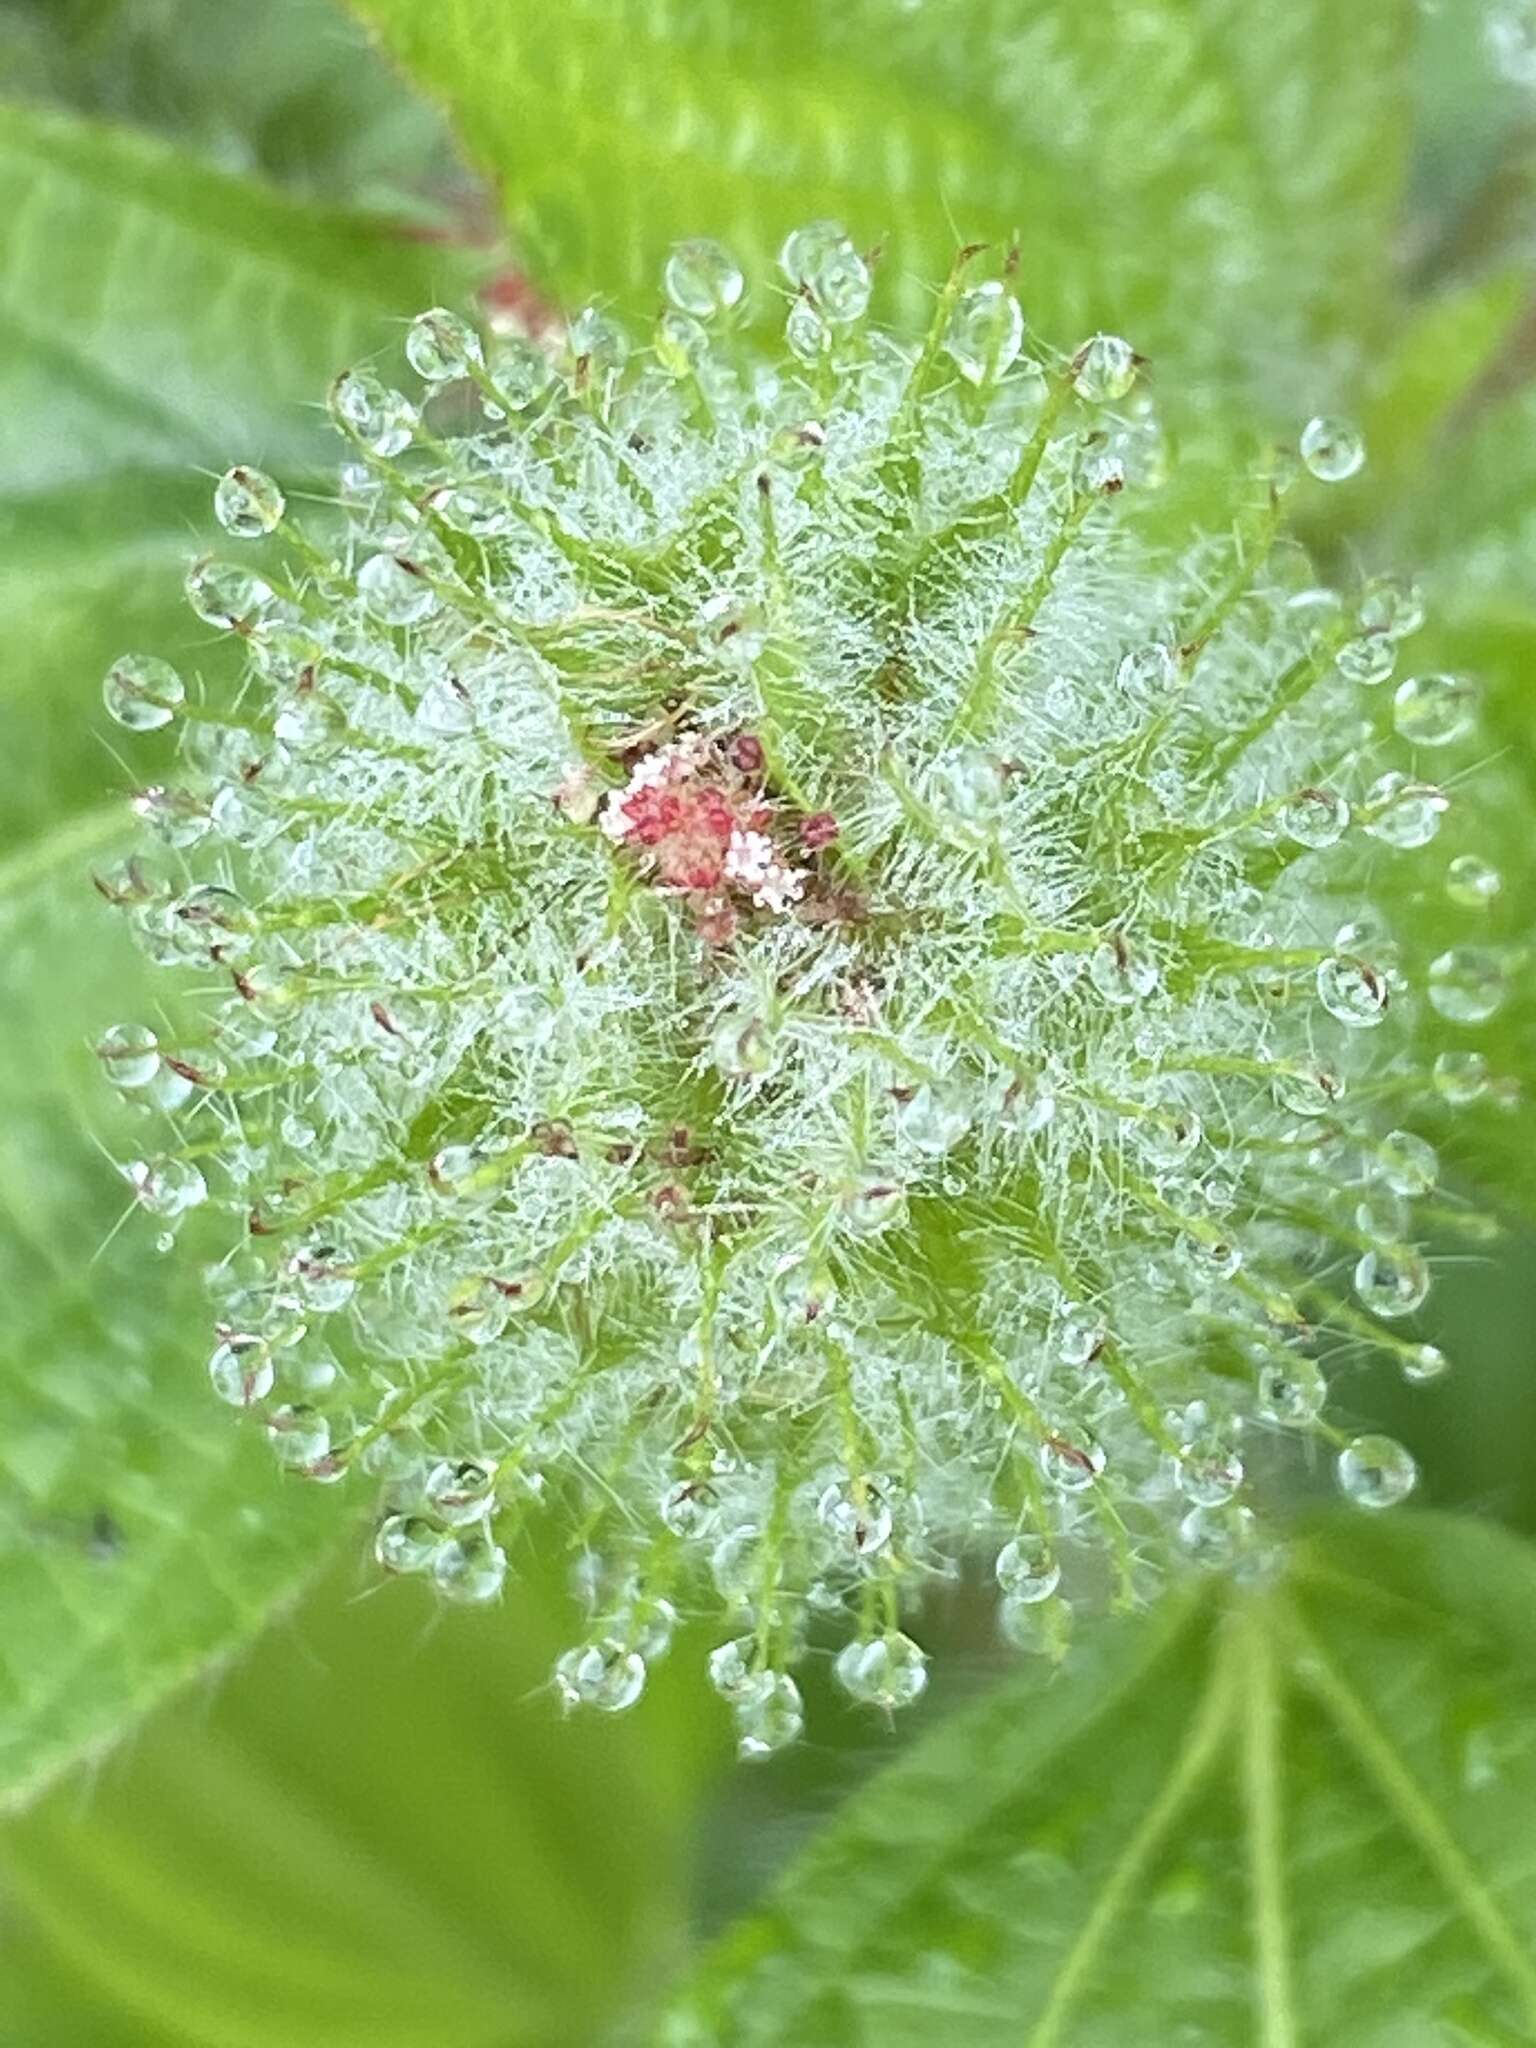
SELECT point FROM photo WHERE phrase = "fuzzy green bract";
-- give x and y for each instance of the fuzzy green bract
(778, 972)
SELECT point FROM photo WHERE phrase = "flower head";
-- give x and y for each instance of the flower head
(775, 968)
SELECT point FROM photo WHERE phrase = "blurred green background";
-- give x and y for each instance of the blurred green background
(364, 1820)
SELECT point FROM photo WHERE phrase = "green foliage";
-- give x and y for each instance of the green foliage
(1212, 179)
(1286, 1816)
(378, 1829)
(139, 1534)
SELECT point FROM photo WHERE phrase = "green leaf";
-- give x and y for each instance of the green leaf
(380, 1829)
(286, 90)
(141, 1530)
(1215, 180)
(1273, 1819)
(198, 321)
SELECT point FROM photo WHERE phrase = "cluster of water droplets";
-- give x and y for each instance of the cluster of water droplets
(1013, 1182)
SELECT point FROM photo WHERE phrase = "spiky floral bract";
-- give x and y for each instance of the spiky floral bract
(779, 973)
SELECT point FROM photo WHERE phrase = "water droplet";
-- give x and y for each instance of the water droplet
(607, 1675)
(173, 815)
(770, 1722)
(1472, 882)
(986, 332)
(1292, 1391)
(691, 1510)
(742, 1046)
(1368, 660)
(799, 447)
(300, 1436)
(736, 632)
(1152, 667)
(1168, 1137)
(1352, 991)
(324, 1275)
(821, 256)
(482, 510)
(1433, 710)
(1040, 1628)
(1071, 1465)
(806, 333)
(406, 1543)
(441, 347)
(1120, 975)
(1391, 606)
(1392, 1283)
(241, 1370)
(1307, 1091)
(383, 420)
(1460, 1077)
(469, 1568)
(935, 1117)
(168, 1187)
(889, 1672)
(1406, 1163)
(461, 1491)
(858, 1517)
(969, 785)
(735, 1673)
(248, 504)
(1332, 449)
(873, 1204)
(1376, 1472)
(681, 343)
(1315, 817)
(395, 591)
(130, 1055)
(1208, 1471)
(702, 278)
(1106, 369)
(1425, 1362)
(142, 692)
(1027, 1569)
(231, 599)
(597, 339)
(1402, 812)
(1467, 984)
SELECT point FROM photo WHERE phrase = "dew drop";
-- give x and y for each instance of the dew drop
(406, 1543)
(167, 1187)
(1467, 984)
(1401, 812)
(248, 504)
(1433, 710)
(889, 1672)
(742, 1046)
(596, 339)
(1425, 1362)
(735, 1673)
(1392, 1283)
(1352, 991)
(820, 256)
(129, 1054)
(1121, 976)
(1376, 1472)
(300, 1436)
(383, 420)
(935, 1118)
(1472, 882)
(1307, 1091)
(986, 332)
(702, 278)
(1152, 667)
(1027, 1570)
(441, 347)
(1393, 607)
(1315, 818)
(806, 333)
(1405, 1163)
(874, 1204)
(520, 370)
(1106, 369)
(230, 599)
(1071, 1466)
(607, 1675)
(1332, 449)
(395, 592)
(1368, 659)
(771, 1722)
(1460, 1077)
(461, 1491)
(859, 1518)
(241, 1371)
(469, 1568)
(142, 692)
(1292, 1392)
